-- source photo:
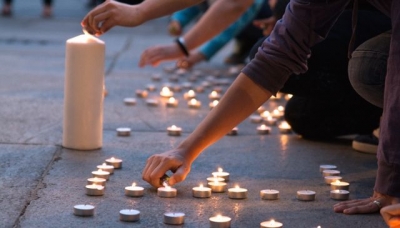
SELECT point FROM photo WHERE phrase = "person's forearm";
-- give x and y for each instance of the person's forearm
(223, 11)
(241, 99)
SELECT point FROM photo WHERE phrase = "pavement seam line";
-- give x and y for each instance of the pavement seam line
(114, 60)
(40, 185)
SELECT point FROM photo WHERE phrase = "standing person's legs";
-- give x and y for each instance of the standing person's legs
(47, 8)
(6, 11)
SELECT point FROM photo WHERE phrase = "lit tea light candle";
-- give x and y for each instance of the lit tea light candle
(234, 131)
(101, 174)
(166, 191)
(214, 95)
(130, 101)
(116, 162)
(265, 114)
(281, 109)
(339, 194)
(277, 114)
(84, 210)
(94, 190)
(134, 191)
(215, 178)
(217, 186)
(152, 102)
(174, 218)
(199, 89)
(123, 131)
(237, 192)
(129, 215)
(271, 121)
(166, 92)
(269, 194)
(201, 192)
(107, 168)
(288, 96)
(189, 94)
(326, 167)
(97, 181)
(261, 109)
(263, 130)
(284, 128)
(172, 102)
(142, 93)
(174, 130)
(220, 173)
(256, 119)
(213, 104)
(330, 172)
(271, 224)
(339, 185)
(193, 103)
(220, 221)
(151, 87)
(306, 195)
(330, 179)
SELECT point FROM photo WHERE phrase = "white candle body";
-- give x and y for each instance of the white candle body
(83, 93)
(129, 215)
(269, 194)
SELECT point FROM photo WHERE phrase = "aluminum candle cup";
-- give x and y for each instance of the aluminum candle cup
(201, 192)
(271, 224)
(167, 192)
(123, 131)
(97, 181)
(142, 93)
(130, 101)
(101, 174)
(327, 167)
(269, 194)
(220, 221)
(234, 131)
(340, 185)
(237, 193)
(213, 179)
(84, 210)
(174, 131)
(214, 95)
(222, 174)
(94, 190)
(217, 186)
(330, 179)
(330, 172)
(339, 194)
(306, 195)
(107, 168)
(270, 121)
(134, 191)
(116, 162)
(284, 128)
(129, 215)
(174, 218)
(263, 130)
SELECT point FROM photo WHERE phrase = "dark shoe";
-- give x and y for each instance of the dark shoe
(366, 143)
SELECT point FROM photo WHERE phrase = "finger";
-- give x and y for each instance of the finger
(158, 172)
(92, 14)
(364, 209)
(99, 19)
(340, 207)
(107, 25)
(179, 175)
(154, 162)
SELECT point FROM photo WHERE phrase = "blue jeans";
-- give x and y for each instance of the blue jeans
(367, 68)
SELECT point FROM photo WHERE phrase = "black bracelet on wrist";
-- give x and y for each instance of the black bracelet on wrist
(181, 43)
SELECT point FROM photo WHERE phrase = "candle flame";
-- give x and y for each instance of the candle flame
(337, 182)
(165, 89)
(112, 159)
(171, 100)
(265, 114)
(201, 186)
(191, 93)
(100, 170)
(281, 108)
(272, 221)
(133, 184)
(276, 112)
(104, 164)
(215, 102)
(220, 170)
(237, 186)
(173, 127)
(193, 101)
(263, 127)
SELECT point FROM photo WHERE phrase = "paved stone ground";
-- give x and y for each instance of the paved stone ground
(40, 182)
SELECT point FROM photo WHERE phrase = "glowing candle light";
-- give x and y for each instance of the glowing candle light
(213, 104)
(101, 174)
(166, 92)
(107, 168)
(193, 103)
(263, 130)
(220, 173)
(116, 162)
(172, 102)
(190, 94)
(271, 224)
(166, 191)
(94, 190)
(339, 185)
(134, 191)
(220, 221)
(96, 180)
(174, 130)
(201, 192)
(237, 193)
(284, 127)
(214, 95)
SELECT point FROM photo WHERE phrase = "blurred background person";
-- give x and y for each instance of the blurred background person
(47, 8)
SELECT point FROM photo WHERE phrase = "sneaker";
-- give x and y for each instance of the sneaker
(366, 143)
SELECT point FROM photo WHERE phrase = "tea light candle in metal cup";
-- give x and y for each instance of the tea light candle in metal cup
(288, 96)
(107, 168)
(330, 179)
(256, 119)
(277, 114)
(215, 178)
(271, 224)
(263, 129)
(134, 191)
(330, 172)
(306, 195)
(130, 101)
(260, 109)
(327, 167)
(174, 218)
(217, 186)
(193, 103)
(151, 87)
(269, 194)
(220, 173)
(237, 193)
(339, 194)
(213, 104)
(84, 210)
(270, 121)
(123, 131)
(214, 95)
(172, 102)
(174, 131)
(116, 162)
(94, 190)
(340, 185)
(101, 174)
(141, 93)
(284, 128)
(189, 94)
(166, 191)
(166, 92)
(220, 221)
(201, 192)
(129, 215)
(152, 102)
(96, 180)
(234, 131)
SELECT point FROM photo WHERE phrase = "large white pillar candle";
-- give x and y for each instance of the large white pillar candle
(83, 93)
